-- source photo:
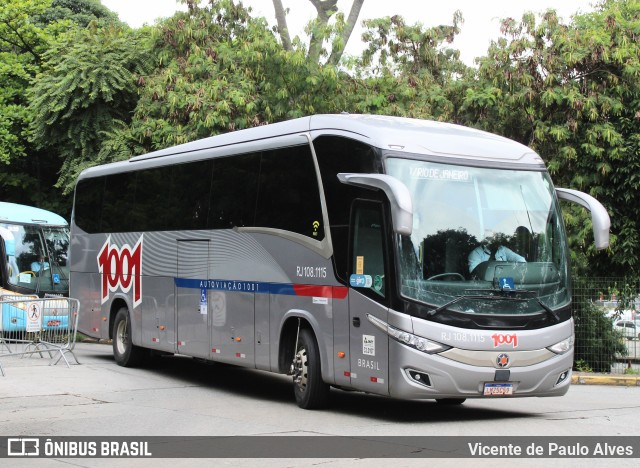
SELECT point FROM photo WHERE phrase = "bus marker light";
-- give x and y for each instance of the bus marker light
(241, 355)
(155, 340)
(162, 327)
(377, 380)
(104, 319)
(341, 355)
(238, 339)
(215, 350)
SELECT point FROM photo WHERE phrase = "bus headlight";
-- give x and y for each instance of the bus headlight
(408, 339)
(562, 347)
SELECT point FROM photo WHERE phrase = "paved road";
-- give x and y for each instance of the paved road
(180, 396)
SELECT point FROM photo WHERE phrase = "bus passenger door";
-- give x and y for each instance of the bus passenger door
(192, 298)
(369, 349)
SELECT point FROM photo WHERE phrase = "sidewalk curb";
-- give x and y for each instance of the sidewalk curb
(605, 379)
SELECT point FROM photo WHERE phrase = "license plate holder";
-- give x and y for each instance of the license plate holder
(493, 389)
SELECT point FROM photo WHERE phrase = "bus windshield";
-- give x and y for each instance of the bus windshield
(36, 258)
(484, 240)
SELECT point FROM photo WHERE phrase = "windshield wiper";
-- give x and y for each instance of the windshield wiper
(534, 295)
(490, 297)
(549, 310)
(497, 295)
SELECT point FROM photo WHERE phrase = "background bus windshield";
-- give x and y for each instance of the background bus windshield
(481, 229)
(36, 258)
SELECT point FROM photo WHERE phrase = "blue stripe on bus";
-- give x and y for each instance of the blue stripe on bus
(284, 289)
(224, 285)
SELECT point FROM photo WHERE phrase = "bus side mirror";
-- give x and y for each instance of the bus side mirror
(397, 193)
(599, 215)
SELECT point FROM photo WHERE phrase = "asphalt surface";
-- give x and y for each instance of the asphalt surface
(180, 396)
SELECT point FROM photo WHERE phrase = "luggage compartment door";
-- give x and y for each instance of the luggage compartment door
(193, 317)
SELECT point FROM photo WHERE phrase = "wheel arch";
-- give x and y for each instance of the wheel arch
(287, 342)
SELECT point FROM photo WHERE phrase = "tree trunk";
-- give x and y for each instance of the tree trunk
(283, 30)
(336, 54)
(325, 9)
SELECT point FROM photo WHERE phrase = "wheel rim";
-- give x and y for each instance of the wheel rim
(121, 337)
(301, 369)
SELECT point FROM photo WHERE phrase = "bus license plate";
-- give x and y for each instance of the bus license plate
(498, 389)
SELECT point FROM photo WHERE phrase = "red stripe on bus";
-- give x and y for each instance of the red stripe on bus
(332, 292)
(340, 292)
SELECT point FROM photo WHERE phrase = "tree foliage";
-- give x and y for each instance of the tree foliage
(571, 91)
(21, 46)
(27, 30)
(408, 70)
(88, 84)
(598, 344)
(78, 12)
(219, 69)
(100, 92)
(320, 29)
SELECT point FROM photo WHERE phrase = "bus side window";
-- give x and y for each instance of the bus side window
(288, 193)
(338, 154)
(367, 258)
(88, 205)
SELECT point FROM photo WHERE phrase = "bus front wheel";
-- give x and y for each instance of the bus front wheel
(309, 389)
(124, 352)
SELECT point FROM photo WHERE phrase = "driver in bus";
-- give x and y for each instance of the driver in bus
(487, 251)
(40, 266)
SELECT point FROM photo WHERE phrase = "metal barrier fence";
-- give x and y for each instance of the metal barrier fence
(44, 327)
(607, 317)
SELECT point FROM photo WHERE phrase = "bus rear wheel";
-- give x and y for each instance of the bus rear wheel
(124, 352)
(309, 389)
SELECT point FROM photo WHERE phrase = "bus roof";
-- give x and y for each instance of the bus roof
(23, 214)
(438, 139)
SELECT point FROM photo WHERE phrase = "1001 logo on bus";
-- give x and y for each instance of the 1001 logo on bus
(500, 339)
(120, 269)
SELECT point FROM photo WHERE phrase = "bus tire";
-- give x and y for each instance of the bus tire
(450, 401)
(124, 352)
(309, 389)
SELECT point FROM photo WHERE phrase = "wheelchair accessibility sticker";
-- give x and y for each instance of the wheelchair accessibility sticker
(506, 284)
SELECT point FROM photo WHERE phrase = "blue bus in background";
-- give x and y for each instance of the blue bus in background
(34, 245)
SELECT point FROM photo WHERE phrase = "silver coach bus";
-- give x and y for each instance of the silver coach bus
(400, 257)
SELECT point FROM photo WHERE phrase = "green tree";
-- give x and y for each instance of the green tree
(597, 345)
(21, 46)
(27, 29)
(320, 29)
(79, 12)
(89, 85)
(571, 91)
(220, 69)
(408, 70)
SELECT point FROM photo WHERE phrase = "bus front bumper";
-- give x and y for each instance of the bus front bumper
(416, 375)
